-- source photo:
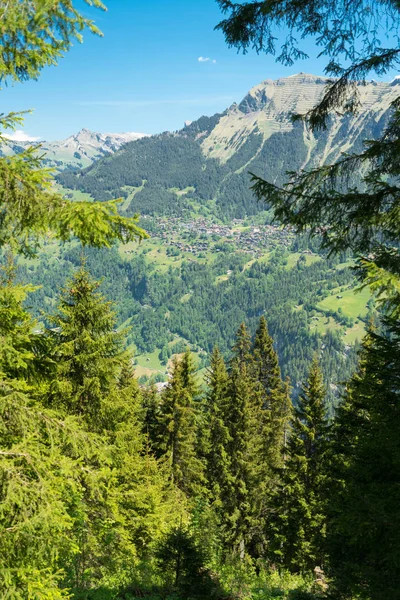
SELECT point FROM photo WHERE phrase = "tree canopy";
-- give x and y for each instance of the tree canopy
(354, 203)
(34, 35)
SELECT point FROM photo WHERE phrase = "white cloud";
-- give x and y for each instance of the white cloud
(20, 136)
(203, 59)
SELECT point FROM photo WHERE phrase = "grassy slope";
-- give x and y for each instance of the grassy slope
(154, 251)
(352, 304)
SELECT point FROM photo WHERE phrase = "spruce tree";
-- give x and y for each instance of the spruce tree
(298, 517)
(242, 347)
(363, 530)
(151, 406)
(276, 405)
(244, 445)
(87, 349)
(218, 437)
(274, 412)
(266, 360)
(178, 427)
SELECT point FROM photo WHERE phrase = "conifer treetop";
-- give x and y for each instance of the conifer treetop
(35, 34)
(352, 204)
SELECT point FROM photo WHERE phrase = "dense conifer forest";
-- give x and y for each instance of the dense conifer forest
(254, 477)
(151, 304)
(112, 488)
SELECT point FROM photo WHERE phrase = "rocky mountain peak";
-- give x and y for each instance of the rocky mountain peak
(267, 109)
(296, 93)
(80, 149)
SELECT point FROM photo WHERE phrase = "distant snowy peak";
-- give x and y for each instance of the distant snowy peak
(85, 137)
(78, 150)
(87, 146)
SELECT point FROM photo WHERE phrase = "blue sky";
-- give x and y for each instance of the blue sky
(144, 74)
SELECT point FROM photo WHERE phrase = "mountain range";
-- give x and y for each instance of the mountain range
(205, 166)
(76, 151)
(196, 279)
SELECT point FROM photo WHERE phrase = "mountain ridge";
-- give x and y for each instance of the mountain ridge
(273, 102)
(207, 162)
(78, 150)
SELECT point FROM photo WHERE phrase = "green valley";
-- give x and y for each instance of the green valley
(200, 328)
(196, 278)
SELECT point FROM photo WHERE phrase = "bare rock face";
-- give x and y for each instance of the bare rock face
(268, 107)
(79, 150)
(209, 161)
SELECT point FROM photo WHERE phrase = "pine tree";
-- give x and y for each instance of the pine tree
(351, 204)
(218, 438)
(87, 350)
(243, 447)
(178, 427)
(298, 521)
(276, 405)
(151, 407)
(242, 347)
(125, 405)
(274, 412)
(266, 360)
(363, 529)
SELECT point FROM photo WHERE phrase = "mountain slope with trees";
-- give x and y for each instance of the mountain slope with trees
(105, 488)
(208, 162)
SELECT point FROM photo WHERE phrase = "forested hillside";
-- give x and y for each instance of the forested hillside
(240, 469)
(216, 260)
(172, 299)
(207, 163)
(131, 492)
(219, 492)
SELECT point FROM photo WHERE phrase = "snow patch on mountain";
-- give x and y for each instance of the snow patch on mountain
(76, 151)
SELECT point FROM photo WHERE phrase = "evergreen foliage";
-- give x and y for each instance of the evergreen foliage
(218, 459)
(183, 562)
(103, 473)
(78, 510)
(178, 431)
(363, 520)
(215, 307)
(243, 445)
(35, 476)
(87, 350)
(275, 401)
(298, 518)
(20, 347)
(34, 35)
(361, 216)
(104, 488)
